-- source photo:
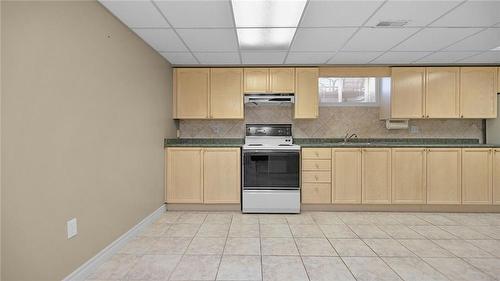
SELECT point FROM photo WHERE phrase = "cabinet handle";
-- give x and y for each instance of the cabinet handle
(427, 116)
(462, 116)
(316, 177)
(423, 116)
(317, 166)
(317, 154)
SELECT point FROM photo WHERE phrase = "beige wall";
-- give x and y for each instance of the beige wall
(85, 108)
(332, 123)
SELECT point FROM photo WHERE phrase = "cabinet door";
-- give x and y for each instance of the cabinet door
(226, 93)
(476, 176)
(256, 80)
(478, 92)
(191, 90)
(282, 80)
(221, 175)
(376, 176)
(496, 176)
(184, 175)
(442, 98)
(407, 97)
(306, 93)
(408, 176)
(346, 171)
(498, 81)
(444, 172)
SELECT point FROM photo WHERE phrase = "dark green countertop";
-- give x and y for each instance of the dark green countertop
(204, 142)
(407, 142)
(366, 143)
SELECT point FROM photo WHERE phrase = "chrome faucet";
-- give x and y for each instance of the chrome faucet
(348, 136)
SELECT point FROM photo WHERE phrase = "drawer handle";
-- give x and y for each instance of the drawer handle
(316, 177)
(317, 154)
(317, 166)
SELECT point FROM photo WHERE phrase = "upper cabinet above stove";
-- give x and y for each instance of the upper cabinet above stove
(217, 93)
(269, 80)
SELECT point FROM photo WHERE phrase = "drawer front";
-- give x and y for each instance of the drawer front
(316, 177)
(316, 153)
(316, 193)
(316, 165)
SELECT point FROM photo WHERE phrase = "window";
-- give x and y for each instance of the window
(349, 91)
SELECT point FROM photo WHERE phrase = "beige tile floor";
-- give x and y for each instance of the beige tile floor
(313, 246)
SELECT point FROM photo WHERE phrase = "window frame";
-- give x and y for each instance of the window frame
(350, 103)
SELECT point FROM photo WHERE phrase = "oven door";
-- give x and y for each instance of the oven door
(271, 170)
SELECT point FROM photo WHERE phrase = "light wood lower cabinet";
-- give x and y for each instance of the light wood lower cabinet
(376, 176)
(408, 176)
(221, 175)
(316, 176)
(444, 170)
(184, 182)
(496, 176)
(346, 170)
(476, 176)
(202, 175)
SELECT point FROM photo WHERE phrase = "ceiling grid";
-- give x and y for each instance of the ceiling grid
(335, 32)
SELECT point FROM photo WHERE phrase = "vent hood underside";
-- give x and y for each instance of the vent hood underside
(269, 99)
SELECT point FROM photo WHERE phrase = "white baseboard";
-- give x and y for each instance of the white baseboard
(84, 271)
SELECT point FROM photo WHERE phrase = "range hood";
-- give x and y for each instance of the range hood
(269, 99)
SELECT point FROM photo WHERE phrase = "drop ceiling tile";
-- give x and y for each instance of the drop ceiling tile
(486, 57)
(354, 57)
(321, 39)
(263, 57)
(472, 13)
(418, 13)
(399, 57)
(162, 40)
(197, 13)
(179, 58)
(433, 39)
(320, 13)
(378, 39)
(308, 58)
(483, 41)
(445, 57)
(209, 40)
(218, 58)
(136, 13)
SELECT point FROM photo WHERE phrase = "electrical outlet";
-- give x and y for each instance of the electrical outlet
(414, 129)
(71, 228)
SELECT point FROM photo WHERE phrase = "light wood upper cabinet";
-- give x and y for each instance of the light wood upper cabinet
(476, 176)
(184, 173)
(306, 93)
(191, 92)
(478, 92)
(444, 170)
(256, 80)
(442, 93)
(498, 81)
(221, 175)
(282, 80)
(408, 176)
(346, 171)
(226, 93)
(407, 97)
(496, 176)
(376, 176)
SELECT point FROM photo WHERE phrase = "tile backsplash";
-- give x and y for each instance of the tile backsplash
(333, 122)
